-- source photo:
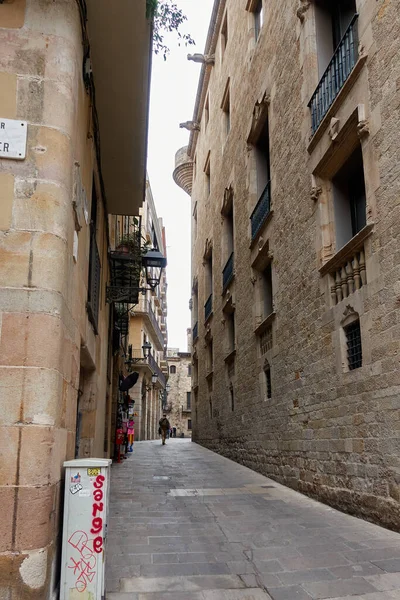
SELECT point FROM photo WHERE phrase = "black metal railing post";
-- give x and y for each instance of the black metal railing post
(208, 308)
(227, 273)
(261, 211)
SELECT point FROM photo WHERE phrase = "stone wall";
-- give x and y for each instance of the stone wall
(326, 431)
(180, 383)
(48, 348)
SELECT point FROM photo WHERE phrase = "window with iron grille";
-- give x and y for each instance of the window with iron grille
(266, 340)
(172, 369)
(93, 297)
(354, 348)
(267, 373)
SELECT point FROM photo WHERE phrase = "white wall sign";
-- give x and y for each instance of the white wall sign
(13, 135)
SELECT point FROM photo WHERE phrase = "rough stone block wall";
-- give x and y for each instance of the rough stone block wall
(43, 290)
(329, 433)
(180, 384)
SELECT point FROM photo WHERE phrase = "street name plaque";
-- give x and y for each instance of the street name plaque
(13, 135)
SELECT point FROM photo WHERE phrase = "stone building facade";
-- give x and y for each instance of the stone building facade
(59, 78)
(294, 149)
(179, 400)
(148, 324)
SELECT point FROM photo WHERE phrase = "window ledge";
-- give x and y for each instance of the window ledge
(230, 357)
(195, 387)
(209, 375)
(347, 251)
(259, 232)
(208, 318)
(265, 324)
(348, 84)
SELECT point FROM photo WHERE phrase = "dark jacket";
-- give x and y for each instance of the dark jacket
(164, 423)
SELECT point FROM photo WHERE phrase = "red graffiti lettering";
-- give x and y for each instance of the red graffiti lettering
(98, 495)
(98, 544)
(97, 508)
(84, 566)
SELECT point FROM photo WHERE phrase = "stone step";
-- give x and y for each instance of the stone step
(212, 594)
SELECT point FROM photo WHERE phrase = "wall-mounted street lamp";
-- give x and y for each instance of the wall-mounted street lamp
(154, 379)
(153, 262)
(131, 360)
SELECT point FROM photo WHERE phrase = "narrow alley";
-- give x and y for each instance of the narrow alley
(186, 523)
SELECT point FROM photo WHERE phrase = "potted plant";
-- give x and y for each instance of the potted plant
(128, 244)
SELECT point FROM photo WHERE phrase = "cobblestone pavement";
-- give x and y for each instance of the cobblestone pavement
(188, 524)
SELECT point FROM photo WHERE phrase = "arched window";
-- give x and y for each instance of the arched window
(172, 369)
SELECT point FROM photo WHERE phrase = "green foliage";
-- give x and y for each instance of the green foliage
(167, 18)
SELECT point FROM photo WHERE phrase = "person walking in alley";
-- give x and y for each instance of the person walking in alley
(165, 427)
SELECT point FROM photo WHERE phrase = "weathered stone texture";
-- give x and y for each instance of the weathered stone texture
(180, 382)
(328, 433)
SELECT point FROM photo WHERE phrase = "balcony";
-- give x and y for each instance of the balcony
(228, 272)
(150, 363)
(208, 308)
(144, 308)
(261, 211)
(156, 369)
(335, 76)
(195, 332)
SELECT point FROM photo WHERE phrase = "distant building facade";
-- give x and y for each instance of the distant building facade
(179, 399)
(293, 151)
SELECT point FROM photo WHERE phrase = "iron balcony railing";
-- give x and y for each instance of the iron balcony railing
(208, 308)
(227, 273)
(261, 211)
(195, 331)
(156, 369)
(144, 307)
(336, 73)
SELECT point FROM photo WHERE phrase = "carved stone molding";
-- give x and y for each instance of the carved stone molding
(227, 201)
(190, 125)
(203, 59)
(207, 249)
(334, 128)
(315, 193)
(302, 9)
(363, 129)
(260, 114)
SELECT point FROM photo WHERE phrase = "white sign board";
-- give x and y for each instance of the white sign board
(85, 525)
(13, 135)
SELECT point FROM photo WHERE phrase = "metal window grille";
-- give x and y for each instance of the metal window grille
(354, 349)
(266, 341)
(261, 211)
(93, 300)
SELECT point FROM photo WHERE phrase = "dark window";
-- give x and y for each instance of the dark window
(93, 298)
(189, 370)
(207, 172)
(172, 369)
(206, 112)
(354, 349)
(224, 34)
(349, 199)
(262, 158)
(188, 400)
(232, 395)
(332, 18)
(267, 297)
(258, 18)
(267, 372)
(211, 408)
(189, 424)
(230, 323)
(226, 107)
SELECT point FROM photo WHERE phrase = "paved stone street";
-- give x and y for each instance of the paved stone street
(186, 523)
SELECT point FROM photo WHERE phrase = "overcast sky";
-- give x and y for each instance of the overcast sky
(173, 93)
